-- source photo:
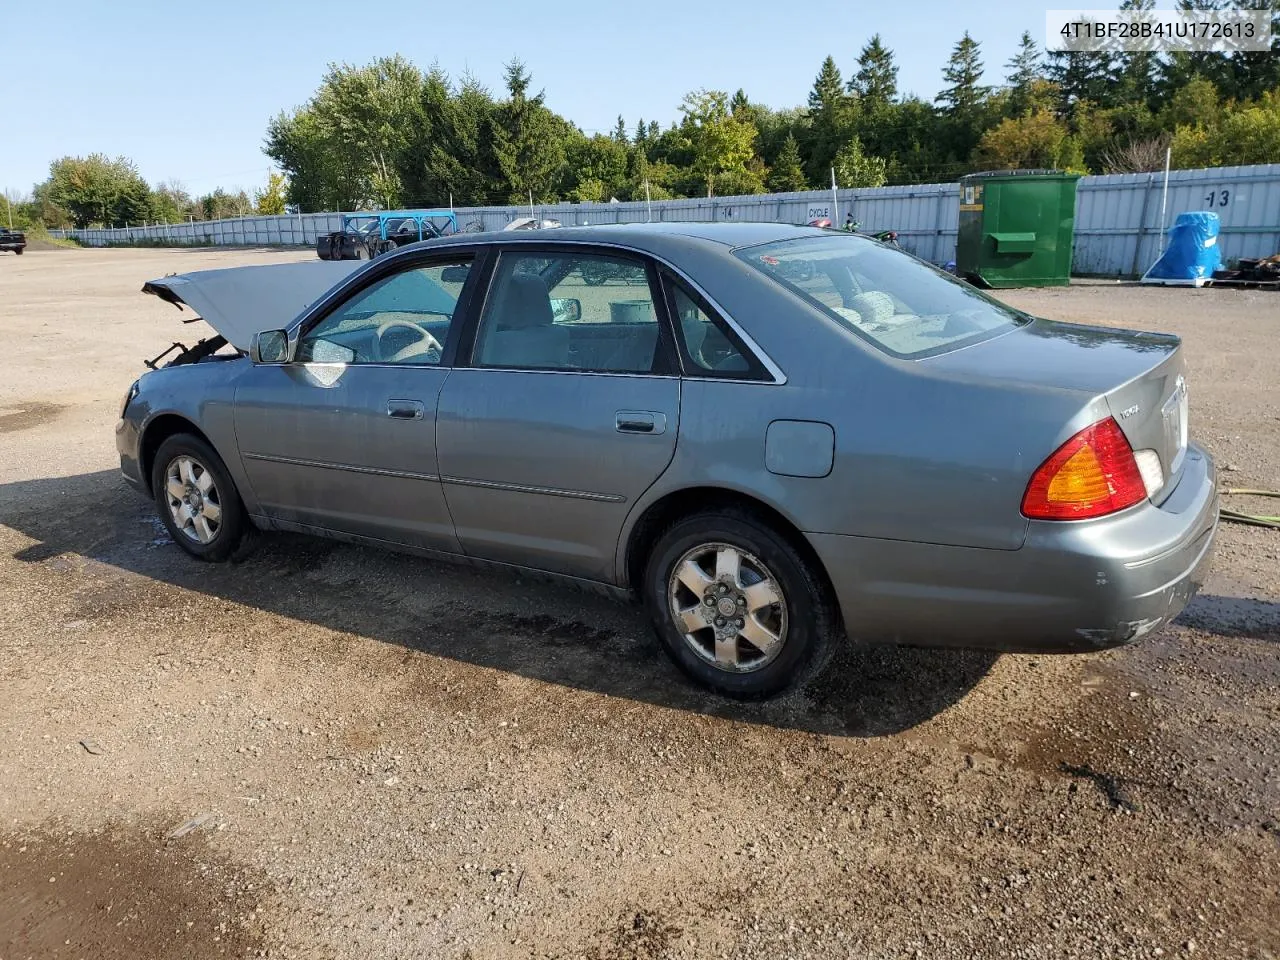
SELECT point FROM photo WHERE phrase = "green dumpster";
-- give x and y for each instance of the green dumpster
(1016, 228)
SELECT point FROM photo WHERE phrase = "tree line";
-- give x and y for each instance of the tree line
(98, 190)
(389, 134)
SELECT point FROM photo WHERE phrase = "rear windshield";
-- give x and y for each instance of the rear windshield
(900, 304)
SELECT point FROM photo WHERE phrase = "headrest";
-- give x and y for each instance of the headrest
(524, 303)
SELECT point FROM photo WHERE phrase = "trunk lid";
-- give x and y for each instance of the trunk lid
(1139, 375)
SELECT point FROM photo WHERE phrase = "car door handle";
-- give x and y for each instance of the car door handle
(641, 421)
(404, 409)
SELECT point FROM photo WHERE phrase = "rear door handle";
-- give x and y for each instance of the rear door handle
(641, 421)
(405, 409)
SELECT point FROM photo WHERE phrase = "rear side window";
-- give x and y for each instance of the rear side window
(901, 305)
(587, 312)
(709, 345)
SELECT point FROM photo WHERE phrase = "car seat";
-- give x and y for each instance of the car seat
(873, 306)
(525, 334)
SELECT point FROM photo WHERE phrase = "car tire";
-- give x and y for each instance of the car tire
(197, 500)
(801, 620)
(19, 251)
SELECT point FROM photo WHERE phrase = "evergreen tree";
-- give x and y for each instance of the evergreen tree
(1256, 72)
(1135, 71)
(1081, 75)
(528, 141)
(1025, 69)
(876, 82)
(620, 131)
(963, 72)
(459, 161)
(827, 93)
(963, 100)
(829, 115)
(787, 174)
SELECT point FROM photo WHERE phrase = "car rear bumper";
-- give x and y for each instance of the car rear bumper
(1073, 586)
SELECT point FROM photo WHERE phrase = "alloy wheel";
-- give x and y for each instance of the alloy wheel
(728, 606)
(194, 502)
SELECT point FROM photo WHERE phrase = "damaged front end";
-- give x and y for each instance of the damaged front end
(202, 350)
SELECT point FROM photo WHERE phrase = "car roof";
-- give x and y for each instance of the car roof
(650, 237)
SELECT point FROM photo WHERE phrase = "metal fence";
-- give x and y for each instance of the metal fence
(1118, 229)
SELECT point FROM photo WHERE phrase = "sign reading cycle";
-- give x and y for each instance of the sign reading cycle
(1158, 31)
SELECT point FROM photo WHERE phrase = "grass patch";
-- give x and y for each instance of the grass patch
(39, 233)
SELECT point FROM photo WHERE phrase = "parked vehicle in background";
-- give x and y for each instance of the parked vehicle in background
(531, 223)
(774, 435)
(14, 240)
(595, 273)
(367, 235)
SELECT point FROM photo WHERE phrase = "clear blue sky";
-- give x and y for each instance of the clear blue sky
(186, 89)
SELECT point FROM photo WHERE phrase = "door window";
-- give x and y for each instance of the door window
(589, 312)
(402, 319)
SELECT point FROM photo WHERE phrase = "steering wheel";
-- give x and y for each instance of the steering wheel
(423, 343)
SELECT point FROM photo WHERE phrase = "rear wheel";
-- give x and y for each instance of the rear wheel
(19, 251)
(197, 499)
(737, 606)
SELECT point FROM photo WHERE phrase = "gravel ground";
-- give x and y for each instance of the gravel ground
(327, 751)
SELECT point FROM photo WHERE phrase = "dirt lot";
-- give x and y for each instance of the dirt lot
(366, 755)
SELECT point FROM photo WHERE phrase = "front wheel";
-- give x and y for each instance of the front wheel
(197, 499)
(737, 606)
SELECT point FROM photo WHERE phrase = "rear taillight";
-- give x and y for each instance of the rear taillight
(1092, 474)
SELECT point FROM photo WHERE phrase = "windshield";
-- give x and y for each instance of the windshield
(898, 303)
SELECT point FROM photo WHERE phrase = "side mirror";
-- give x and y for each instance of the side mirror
(566, 309)
(269, 346)
(455, 273)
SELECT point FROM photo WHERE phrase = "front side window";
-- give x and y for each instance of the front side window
(899, 304)
(589, 312)
(405, 318)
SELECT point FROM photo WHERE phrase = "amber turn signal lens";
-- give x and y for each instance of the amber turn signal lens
(1091, 475)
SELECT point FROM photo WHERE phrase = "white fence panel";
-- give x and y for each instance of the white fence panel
(1118, 228)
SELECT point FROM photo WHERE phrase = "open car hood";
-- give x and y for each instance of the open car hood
(241, 301)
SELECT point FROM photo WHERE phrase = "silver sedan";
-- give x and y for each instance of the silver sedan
(775, 436)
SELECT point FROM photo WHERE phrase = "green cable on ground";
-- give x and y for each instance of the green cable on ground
(1250, 519)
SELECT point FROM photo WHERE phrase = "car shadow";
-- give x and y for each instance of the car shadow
(505, 621)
